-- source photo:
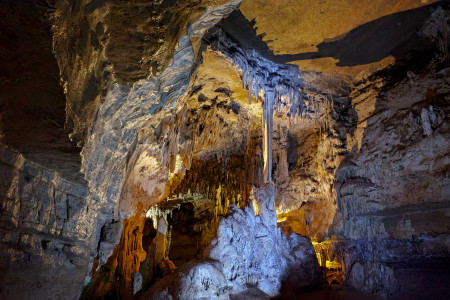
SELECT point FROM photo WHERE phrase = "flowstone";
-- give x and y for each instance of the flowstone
(248, 252)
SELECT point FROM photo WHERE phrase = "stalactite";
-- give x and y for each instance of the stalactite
(281, 90)
(226, 182)
(267, 125)
(276, 95)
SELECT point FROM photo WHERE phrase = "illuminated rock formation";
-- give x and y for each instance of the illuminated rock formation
(249, 251)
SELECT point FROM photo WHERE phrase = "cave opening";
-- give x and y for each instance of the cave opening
(186, 235)
(33, 103)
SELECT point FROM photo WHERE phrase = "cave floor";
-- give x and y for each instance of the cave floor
(329, 292)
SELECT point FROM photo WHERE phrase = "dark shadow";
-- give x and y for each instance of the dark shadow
(32, 101)
(393, 34)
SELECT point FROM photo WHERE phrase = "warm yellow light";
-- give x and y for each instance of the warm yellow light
(332, 265)
(281, 219)
(319, 258)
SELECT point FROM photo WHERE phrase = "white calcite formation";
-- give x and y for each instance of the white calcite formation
(248, 252)
(280, 87)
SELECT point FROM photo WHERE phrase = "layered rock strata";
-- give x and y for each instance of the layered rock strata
(378, 178)
(44, 234)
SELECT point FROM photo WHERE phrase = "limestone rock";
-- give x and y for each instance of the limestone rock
(247, 254)
(437, 28)
(255, 253)
(137, 282)
(195, 280)
(356, 279)
(351, 142)
(44, 231)
(265, 198)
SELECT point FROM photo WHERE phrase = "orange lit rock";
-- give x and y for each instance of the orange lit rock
(331, 259)
(115, 277)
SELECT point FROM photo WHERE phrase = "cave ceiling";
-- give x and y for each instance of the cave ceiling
(332, 36)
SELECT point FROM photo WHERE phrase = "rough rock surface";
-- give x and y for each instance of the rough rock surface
(44, 245)
(249, 252)
(126, 110)
(377, 178)
(93, 54)
(32, 102)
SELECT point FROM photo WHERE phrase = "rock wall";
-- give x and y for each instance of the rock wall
(375, 184)
(395, 188)
(122, 261)
(121, 112)
(32, 102)
(44, 231)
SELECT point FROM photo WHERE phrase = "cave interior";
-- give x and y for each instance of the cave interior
(224, 149)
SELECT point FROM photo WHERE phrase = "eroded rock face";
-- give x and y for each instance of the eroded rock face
(44, 234)
(377, 178)
(32, 102)
(126, 111)
(248, 250)
(93, 54)
(116, 274)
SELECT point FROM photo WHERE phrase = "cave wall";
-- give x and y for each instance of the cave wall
(32, 101)
(132, 111)
(44, 234)
(339, 182)
(44, 212)
(373, 184)
(395, 189)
